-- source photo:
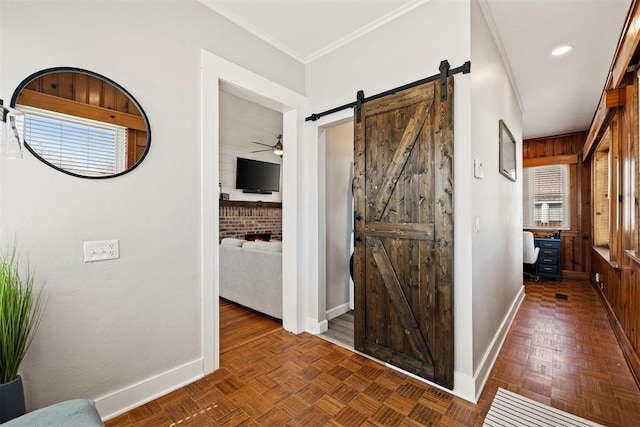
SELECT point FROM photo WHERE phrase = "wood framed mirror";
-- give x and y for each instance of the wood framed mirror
(82, 123)
(507, 151)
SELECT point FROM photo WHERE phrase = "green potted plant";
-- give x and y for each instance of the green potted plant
(20, 313)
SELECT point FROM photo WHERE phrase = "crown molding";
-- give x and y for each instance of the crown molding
(246, 25)
(493, 29)
(366, 29)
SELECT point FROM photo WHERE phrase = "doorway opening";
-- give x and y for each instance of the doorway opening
(336, 190)
(218, 72)
(250, 219)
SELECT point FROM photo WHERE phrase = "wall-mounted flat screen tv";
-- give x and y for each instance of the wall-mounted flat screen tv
(254, 176)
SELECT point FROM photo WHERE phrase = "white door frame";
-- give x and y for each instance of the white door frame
(317, 322)
(217, 71)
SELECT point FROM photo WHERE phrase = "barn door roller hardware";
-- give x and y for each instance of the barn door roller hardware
(445, 71)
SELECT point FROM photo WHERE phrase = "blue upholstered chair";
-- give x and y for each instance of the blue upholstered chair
(70, 413)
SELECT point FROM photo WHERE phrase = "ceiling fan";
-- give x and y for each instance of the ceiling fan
(277, 148)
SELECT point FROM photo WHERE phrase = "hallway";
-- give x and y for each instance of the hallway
(563, 353)
(560, 352)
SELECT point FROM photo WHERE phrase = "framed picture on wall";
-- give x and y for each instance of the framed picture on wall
(507, 152)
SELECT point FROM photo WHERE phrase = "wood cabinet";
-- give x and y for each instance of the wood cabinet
(548, 264)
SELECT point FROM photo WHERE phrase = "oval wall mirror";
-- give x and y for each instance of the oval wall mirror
(82, 123)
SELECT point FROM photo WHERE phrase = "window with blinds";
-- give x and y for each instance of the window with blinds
(545, 197)
(78, 145)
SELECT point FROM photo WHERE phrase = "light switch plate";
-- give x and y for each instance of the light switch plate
(478, 170)
(101, 250)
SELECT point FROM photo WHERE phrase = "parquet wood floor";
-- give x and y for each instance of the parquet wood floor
(563, 353)
(240, 326)
(558, 352)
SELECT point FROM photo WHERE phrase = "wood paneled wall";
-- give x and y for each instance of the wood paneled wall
(600, 187)
(619, 289)
(618, 265)
(85, 90)
(91, 98)
(576, 255)
(553, 146)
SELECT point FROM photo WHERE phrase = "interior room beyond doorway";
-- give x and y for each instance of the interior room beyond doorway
(250, 279)
(338, 210)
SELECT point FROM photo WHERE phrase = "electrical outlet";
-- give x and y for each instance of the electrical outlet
(101, 250)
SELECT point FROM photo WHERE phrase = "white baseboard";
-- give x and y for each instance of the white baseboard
(470, 388)
(490, 356)
(123, 400)
(314, 327)
(462, 384)
(463, 387)
(338, 311)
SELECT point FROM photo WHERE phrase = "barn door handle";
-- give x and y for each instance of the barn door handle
(357, 238)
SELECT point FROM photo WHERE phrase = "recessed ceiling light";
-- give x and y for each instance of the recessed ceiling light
(562, 50)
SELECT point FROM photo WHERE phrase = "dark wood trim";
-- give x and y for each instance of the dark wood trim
(249, 204)
(627, 46)
(616, 97)
(566, 159)
(599, 126)
(570, 274)
(633, 255)
(625, 51)
(605, 254)
(561, 135)
(627, 349)
(73, 108)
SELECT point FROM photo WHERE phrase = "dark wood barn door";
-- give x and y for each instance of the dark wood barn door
(403, 260)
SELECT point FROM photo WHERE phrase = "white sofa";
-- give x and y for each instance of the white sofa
(251, 274)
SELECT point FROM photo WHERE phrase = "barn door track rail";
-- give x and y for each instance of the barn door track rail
(445, 71)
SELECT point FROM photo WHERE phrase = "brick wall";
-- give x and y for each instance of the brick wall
(236, 221)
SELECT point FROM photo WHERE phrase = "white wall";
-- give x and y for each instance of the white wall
(404, 50)
(339, 215)
(136, 321)
(243, 121)
(496, 201)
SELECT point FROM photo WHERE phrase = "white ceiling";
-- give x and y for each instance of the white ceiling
(307, 29)
(559, 94)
